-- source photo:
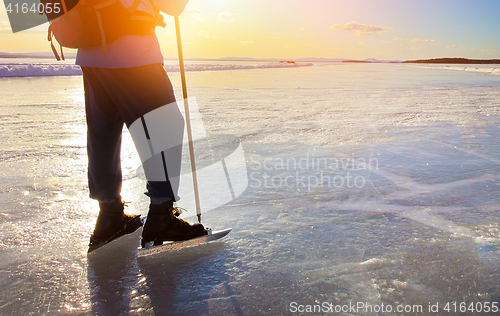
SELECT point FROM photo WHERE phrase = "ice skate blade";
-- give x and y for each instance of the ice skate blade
(176, 245)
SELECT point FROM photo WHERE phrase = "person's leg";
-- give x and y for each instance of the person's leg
(145, 101)
(140, 96)
(104, 129)
(104, 133)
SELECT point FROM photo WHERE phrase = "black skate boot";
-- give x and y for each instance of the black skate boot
(112, 223)
(163, 224)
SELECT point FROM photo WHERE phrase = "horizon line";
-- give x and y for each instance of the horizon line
(72, 55)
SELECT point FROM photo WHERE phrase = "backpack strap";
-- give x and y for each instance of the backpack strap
(157, 18)
(134, 6)
(63, 3)
(54, 50)
(99, 22)
(101, 30)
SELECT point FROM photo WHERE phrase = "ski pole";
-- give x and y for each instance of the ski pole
(188, 119)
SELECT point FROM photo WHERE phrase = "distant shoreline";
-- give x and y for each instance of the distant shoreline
(356, 61)
(434, 61)
(446, 60)
(453, 61)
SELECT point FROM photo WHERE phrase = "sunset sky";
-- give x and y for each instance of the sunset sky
(382, 29)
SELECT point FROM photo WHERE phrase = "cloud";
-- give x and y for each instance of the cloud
(225, 17)
(361, 29)
(5, 26)
(207, 35)
(486, 50)
(414, 40)
(193, 14)
(204, 34)
(302, 32)
(425, 41)
(455, 46)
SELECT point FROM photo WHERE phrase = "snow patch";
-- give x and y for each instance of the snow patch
(37, 70)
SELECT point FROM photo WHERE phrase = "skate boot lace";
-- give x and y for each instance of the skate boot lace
(126, 204)
(176, 212)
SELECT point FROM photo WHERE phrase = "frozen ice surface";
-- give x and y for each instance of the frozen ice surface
(366, 183)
